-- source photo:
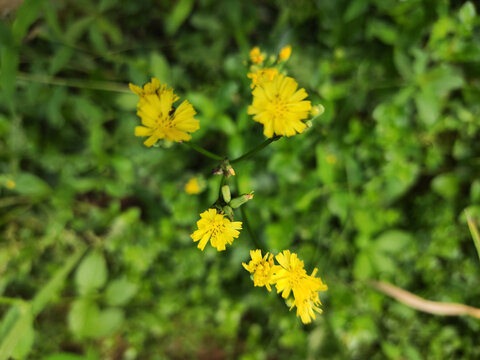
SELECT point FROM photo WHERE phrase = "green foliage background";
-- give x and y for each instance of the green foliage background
(95, 235)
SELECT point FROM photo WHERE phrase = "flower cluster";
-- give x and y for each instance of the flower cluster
(278, 104)
(282, 108)
(290, 278)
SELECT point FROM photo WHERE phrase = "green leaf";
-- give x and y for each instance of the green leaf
(178, 15)
(120, 291)
(428, 106)
(86, 320)
(25, 343)
(92, 273)
(27, 14)
(355, 9)
(48, 291)
(362, 268)
(108, 322)
(393, 241)
(382, 31)
(31, 185)
(467, 13)
(8, 72)
(16, 333)
(472, 226)
(83, 318)
(159, 68)
(446, 185)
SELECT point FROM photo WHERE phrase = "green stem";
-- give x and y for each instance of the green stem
(203, 151)
(255, 150)
(222, 182)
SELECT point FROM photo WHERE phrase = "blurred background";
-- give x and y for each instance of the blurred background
(96, 261)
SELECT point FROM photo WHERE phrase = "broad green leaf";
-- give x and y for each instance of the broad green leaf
(120, 291)
(467, 13)
(92, 273)
(108, 322)
(362, 268)
(159, 68)
(83, 318)
(446, 185)
(393, 241)
(31, 185)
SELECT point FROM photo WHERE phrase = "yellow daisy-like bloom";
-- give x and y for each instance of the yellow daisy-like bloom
(285, 53)
(256, 56)
(261, 76)
(192, 187)
(160, 119)
(216, 228)
(262, 268)
(290, 275)
(292, 278)
(308, 305)
(280, 107)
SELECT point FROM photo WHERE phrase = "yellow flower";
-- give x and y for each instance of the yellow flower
(261, 268)
(280, 107)
(292, 278)
(216, 228)
(256, 56)
(160, 119)
(261, 76)
(291, 273)
(192, 187)
(285, 53)
(10, 184)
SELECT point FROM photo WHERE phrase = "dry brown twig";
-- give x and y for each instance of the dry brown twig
(421, 304)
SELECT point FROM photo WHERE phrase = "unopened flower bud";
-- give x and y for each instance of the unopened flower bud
(226, 193)
(242, 199)
(317, 110)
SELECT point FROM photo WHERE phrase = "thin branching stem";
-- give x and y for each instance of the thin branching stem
(203, 151)
(255, 150)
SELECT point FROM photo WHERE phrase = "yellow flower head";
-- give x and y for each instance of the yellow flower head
(306, 297)
(10, 184)
(285, 53)
(262, 268)
(256, 56)
(160, 119)
(216, 228)
(290, 275)
(192, 187)
(280, 107)
(262, 75)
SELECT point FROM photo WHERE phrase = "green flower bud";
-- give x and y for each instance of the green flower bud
(226, 193)
(242, 199)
